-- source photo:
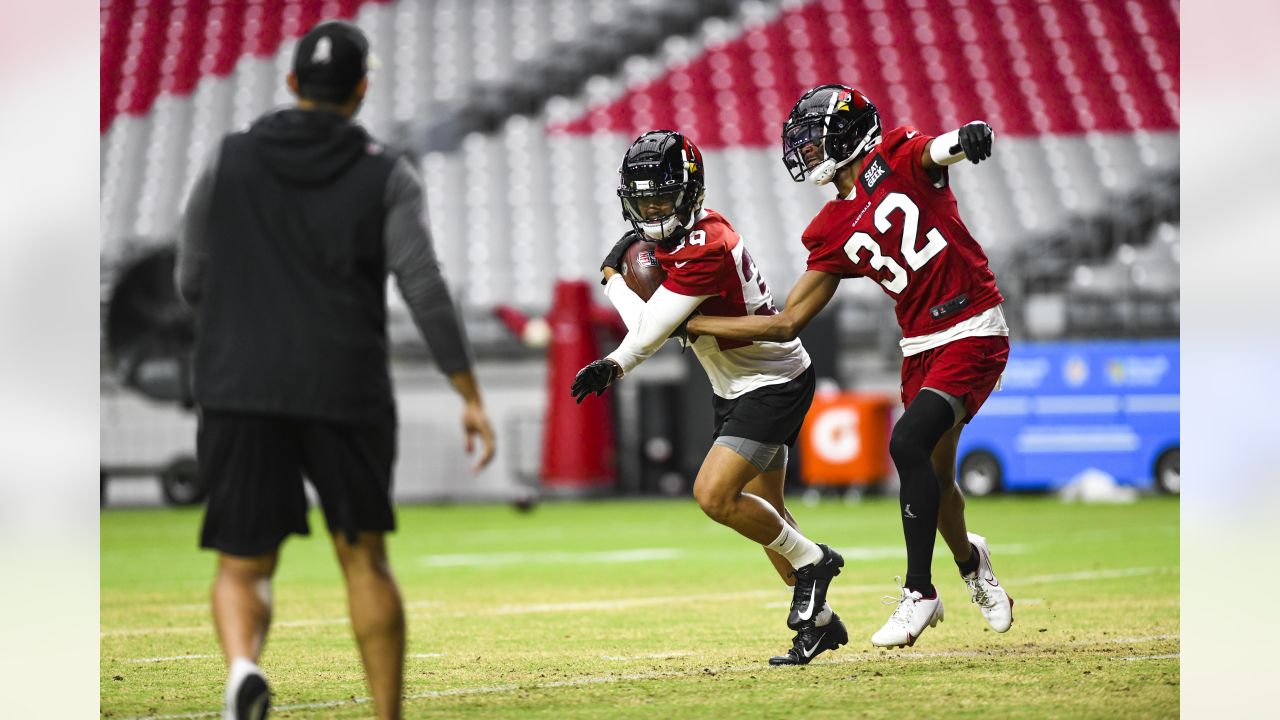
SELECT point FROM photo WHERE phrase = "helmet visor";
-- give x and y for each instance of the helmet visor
(649, 206)
(804, 146)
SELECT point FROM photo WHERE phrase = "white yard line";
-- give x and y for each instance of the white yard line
(647, 656)
(1144, 638)
(171, 657)
(551, 557)
(1096, 575)
(868, 656)
(1153, 657)
(577, 682)
(627, 603)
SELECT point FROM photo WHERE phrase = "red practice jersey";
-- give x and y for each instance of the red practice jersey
(901, 229)
(713, 260)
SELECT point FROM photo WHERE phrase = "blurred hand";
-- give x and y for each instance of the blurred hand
(475, 425)
(594, 378)
(975, 140)
(619, 250)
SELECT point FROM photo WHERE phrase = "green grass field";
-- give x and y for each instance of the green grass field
(648, 609)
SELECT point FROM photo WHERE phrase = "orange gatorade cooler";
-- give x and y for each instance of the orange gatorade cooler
(845, 439)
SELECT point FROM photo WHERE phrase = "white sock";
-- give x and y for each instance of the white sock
(796, 548)
(241, 668)
(824, 615)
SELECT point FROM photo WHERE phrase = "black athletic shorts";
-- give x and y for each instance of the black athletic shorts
(254, 465)
(771, 414)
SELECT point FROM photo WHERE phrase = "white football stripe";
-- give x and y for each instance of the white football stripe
(550, 557)
(868, 656)
(171, 657)
(625, 603)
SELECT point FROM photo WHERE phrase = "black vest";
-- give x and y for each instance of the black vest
(292, 319)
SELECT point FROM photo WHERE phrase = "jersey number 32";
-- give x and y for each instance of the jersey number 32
(914, 257)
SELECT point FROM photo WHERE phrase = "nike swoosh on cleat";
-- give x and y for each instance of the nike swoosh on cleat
(808, 652)
(808, 613)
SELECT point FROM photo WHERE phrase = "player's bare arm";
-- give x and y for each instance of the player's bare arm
(970, 142)
(811, 293)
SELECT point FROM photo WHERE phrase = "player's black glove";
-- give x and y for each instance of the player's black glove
(614, 258)
(975, 140)
(594, 378)
(681, 332)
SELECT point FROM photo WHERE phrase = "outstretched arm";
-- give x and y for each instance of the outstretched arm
(811, 293)
(971, 142)
(649, 325)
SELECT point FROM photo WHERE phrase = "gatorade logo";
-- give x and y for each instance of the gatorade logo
(835, 435)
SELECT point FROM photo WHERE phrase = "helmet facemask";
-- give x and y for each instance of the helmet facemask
(655, 212)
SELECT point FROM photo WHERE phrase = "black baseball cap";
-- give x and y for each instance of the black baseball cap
(330, 60)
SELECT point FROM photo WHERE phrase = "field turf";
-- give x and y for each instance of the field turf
(647, 609)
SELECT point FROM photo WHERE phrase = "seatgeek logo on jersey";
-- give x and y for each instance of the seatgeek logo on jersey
(874, 173)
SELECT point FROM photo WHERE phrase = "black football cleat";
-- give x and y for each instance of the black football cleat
(250, 700)
(811, 641)
(810, 593)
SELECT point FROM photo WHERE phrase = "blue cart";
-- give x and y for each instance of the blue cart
(1066, 407)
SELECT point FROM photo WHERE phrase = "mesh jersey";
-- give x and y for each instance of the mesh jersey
(713, 260)
(902, 230)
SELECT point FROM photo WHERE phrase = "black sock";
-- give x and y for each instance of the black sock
(970, 566)
(914, 438)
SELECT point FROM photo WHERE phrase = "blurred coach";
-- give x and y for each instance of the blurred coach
(288, 237)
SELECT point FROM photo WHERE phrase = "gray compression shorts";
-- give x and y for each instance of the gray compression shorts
(765, 456)
(957, 405)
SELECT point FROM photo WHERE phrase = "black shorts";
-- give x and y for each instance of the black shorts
(771, 414)
(254, 465)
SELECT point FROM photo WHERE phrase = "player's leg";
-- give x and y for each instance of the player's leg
(970, 372)
(970, 551)
(350, 466)
(951, 524)
(750, 431)
(377, 617)
(768, 486)
(241, 600)
(826, 632)
(916, 434)
(256, 499)
(719, 490)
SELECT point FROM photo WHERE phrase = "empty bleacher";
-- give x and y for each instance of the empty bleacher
(521, 109)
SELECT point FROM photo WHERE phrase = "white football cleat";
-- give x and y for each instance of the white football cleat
(913, 614)
(986, 592)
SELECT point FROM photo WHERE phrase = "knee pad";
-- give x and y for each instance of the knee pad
(920, 428)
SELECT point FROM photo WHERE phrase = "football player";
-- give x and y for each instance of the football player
(762, 389)
(894, 220)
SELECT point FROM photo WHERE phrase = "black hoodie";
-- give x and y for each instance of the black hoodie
(293, 314)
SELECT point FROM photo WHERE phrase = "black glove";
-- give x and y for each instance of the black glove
(594, 378)
(614, 258)
(975, 140)
(681, 332)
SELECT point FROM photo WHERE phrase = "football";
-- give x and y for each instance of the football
(641, 271)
